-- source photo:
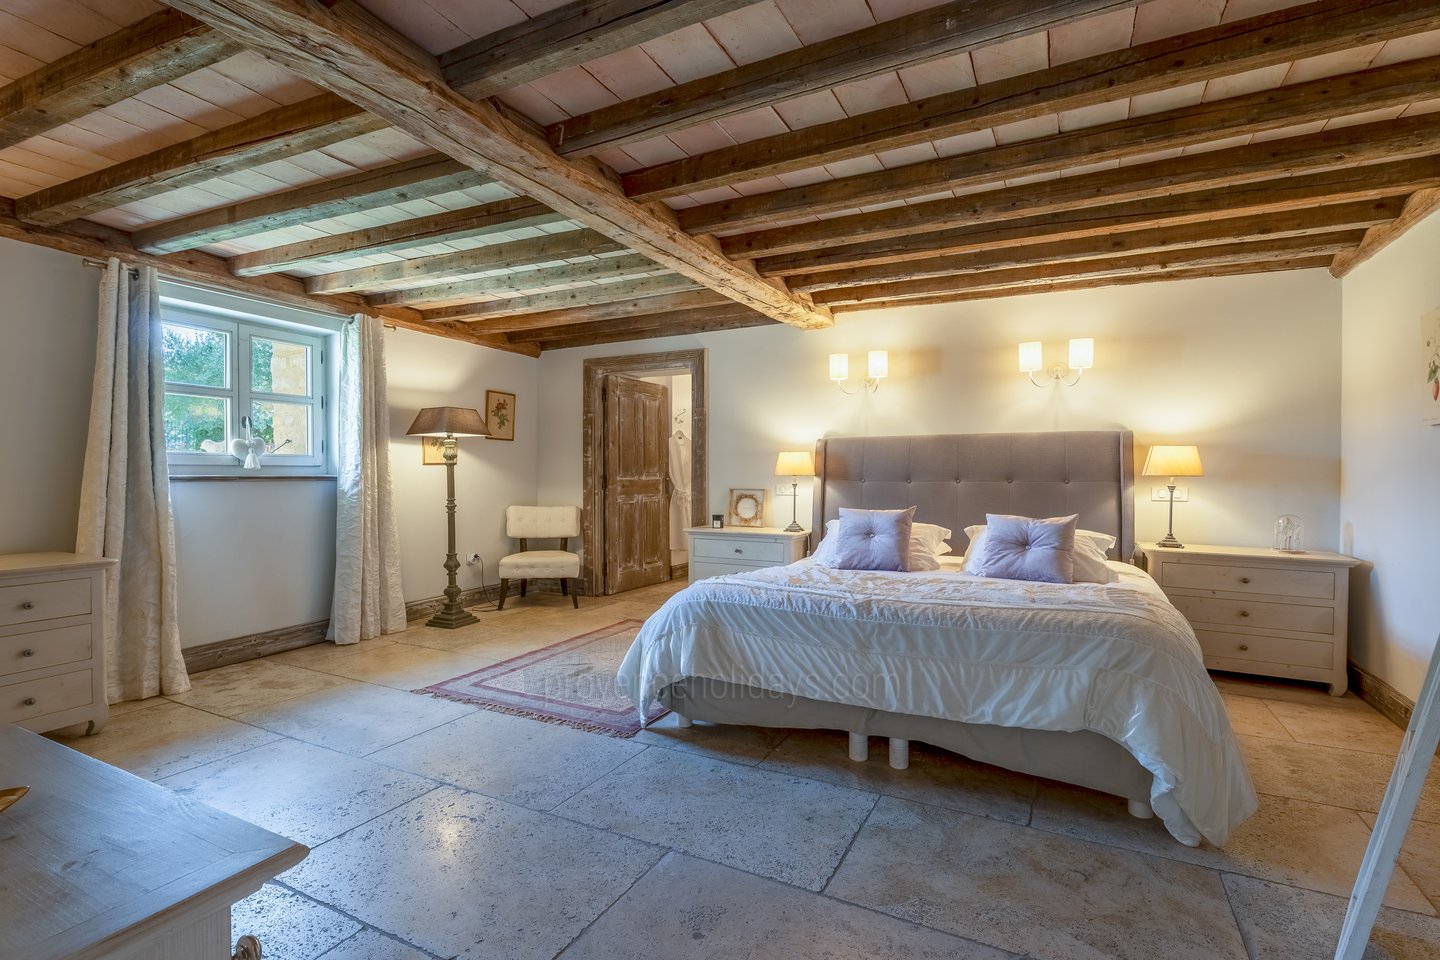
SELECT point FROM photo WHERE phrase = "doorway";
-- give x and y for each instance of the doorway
(598, 549)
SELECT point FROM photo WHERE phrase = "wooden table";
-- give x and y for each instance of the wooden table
(95, 862)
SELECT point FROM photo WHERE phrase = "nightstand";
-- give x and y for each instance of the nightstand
(717, 550)
(1260, 611)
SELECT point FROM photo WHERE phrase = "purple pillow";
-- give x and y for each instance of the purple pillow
(874, 539)
(1021, 548)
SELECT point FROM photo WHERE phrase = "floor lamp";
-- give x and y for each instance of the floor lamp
(449, 423)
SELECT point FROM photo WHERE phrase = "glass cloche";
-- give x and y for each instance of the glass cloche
(1290, 534)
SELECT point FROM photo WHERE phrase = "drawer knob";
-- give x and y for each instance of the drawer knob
(28, 605)
(1244, 613)
(27, 653)
(738, 550)
(1244, 646)
(29, 701)
(1244, 579)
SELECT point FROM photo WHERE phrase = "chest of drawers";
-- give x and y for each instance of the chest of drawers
(718, 550)
(1260, 611)
(52, 646)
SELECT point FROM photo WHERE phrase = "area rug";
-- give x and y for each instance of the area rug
(570, 682)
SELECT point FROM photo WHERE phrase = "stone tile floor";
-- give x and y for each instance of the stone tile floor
(441, 830)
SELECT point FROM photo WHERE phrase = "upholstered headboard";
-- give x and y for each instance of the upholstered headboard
(955, 480)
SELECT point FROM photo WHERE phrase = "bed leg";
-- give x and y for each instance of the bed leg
(899, 753)
(1140, 810)
(684, 722)
(859, 747)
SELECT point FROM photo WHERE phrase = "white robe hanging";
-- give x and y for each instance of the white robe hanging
(680, 489)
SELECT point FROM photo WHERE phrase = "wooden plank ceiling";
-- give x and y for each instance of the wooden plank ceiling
(541, 174)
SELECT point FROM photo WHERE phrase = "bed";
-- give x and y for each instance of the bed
(1097, 685)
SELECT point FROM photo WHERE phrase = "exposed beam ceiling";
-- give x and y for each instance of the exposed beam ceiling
(595, 313)
(1420, 205)
(657, 325)
(510, 284)
(564, 299)
(356, 56)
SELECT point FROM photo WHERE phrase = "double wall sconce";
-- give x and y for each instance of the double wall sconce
(1082, 358)
(877, 368)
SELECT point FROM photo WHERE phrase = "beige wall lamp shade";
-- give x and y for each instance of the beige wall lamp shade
(1173, 461)
(448, 422)
(795, 463)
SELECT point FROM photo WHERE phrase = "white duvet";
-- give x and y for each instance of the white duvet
(1113, 658)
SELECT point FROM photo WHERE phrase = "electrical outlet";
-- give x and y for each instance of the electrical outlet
(782, 490)
(471, 559)
(1162, 494)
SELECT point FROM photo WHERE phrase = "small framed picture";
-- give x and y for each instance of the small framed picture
(432, 451)
(1430, 361)
(500, 414)
(747, 507)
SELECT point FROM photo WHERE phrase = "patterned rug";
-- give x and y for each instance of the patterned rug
(570, 682)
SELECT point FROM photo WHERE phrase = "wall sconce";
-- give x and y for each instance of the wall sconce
(1082, 358)
(877, 368)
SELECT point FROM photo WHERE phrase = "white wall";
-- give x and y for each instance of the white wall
(1391, 461)
(1247, 368)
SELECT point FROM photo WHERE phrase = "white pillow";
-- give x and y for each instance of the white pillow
(922, 554)
(1088, 554)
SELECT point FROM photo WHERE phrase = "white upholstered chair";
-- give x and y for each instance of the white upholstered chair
(542, 523)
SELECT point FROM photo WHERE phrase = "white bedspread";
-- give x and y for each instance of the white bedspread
(1116, 659)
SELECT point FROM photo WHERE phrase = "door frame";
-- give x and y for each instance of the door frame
(592, 531)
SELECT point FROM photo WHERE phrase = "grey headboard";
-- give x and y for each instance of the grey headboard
(955, 480)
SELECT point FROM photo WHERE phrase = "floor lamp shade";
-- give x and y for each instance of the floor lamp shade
(450, 422)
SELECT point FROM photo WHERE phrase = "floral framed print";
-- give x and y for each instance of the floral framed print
(1430, 354)
(500, 414)
(747, 507)
(432, 451)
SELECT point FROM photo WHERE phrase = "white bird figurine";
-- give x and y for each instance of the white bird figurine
(249, 449)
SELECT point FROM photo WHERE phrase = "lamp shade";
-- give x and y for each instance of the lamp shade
(878, 365)
(839, 366)
(1175, 461)
(795, 463)
(1082, 354)
(1030, 359)
(448, 422)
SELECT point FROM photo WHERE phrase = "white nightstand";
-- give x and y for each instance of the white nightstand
(1260, 611)
(717, 550)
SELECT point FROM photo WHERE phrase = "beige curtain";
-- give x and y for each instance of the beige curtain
(368, 599)
(125, 493)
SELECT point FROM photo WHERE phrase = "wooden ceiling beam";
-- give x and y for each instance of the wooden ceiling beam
(1369, 143)
(510, 284)
(1294, 223)
(162, 47)
(1392, 86)
(283, 132)
(566, 36)
(944, 30)
(595, 313)
(464, 224)
(605, 333)
(1420, 205)
(1090, 283)
(95, 240)
(1219, 255)
(367, 190)
(1294, 33)
(348, 51)
(639, 322)
(1369, 184)
(563, 299)
(497, 256)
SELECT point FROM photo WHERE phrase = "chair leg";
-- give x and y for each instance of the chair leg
(565, 591)
(504, 588)
(522, 587)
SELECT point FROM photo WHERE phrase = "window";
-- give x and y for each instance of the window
(231, 376)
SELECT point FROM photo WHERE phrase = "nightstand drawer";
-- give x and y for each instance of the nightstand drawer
(1257, 614)
(45, 648)
(1237, 646)
(737, 548)
(50, 600)
(1319, 584)
(33, 698)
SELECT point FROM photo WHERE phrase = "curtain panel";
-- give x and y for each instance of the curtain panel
(125, 491)
(368, 600)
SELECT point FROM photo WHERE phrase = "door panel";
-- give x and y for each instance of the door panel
(637, 521)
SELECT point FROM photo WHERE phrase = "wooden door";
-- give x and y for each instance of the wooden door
(636, 483)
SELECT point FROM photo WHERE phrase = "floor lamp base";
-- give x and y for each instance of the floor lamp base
(450, 618)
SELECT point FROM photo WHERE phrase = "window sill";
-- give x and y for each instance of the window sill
(228, 478)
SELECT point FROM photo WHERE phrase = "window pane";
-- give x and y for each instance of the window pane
(285, 426)
(279, 367)
(195, 424)
(195, 356)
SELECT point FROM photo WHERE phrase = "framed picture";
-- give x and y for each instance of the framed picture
(432, 451)
(500, 414)
(747, 507)
(1430, 354)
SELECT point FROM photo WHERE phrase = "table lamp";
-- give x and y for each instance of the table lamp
(794, 464)
(1172, 462)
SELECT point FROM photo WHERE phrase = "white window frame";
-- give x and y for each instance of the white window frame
(209, 310)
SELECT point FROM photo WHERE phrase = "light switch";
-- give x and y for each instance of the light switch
(1162, 494)
(782, 490)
